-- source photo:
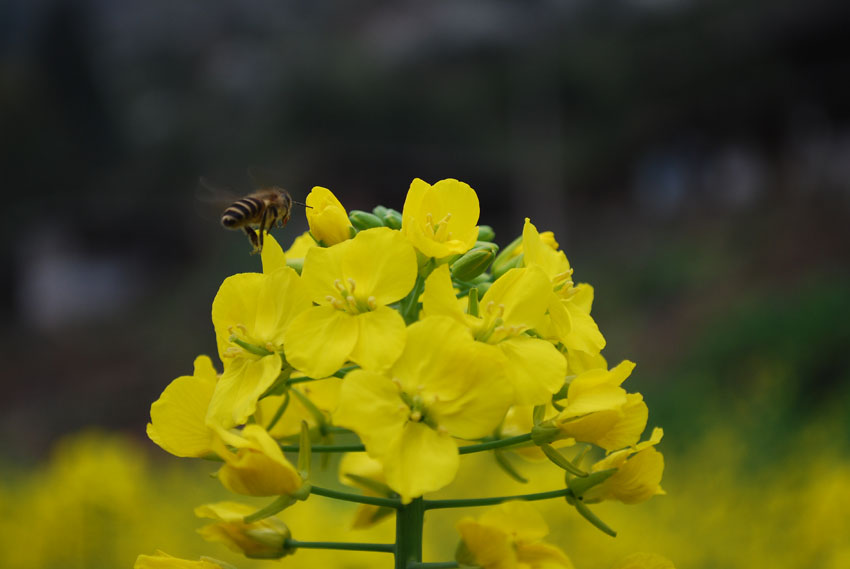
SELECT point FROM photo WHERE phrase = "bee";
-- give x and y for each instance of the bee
(258, 212)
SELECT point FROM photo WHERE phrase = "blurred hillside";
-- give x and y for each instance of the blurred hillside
(692, 157)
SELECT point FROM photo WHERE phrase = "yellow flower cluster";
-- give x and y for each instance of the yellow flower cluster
(409, 332)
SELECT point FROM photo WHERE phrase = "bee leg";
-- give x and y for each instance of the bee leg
(252, 236)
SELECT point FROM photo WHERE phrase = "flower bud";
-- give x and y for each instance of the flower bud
(486, 233)
(264, 539)
(326, 217)
(471, 264)
(508, 258)
(392, 219)
(364, 220)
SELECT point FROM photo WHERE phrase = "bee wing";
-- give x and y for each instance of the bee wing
(211, 200)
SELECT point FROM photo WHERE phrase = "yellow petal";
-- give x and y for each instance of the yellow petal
(382, 264)
(177, 417)
(439, 298)
(322, 267)
(370, 405)
(240, 386)
(259, 305)
(535, 368)
(320, 340)
(258, 467)
(324, 394)
(543, 556)
(538, 253)
(636, 480)
(584, 334)
(420, 460)
(272, 255)
(524, 293)
(300, 245)
(380, 339)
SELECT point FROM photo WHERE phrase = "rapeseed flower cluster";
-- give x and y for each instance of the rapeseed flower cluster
(410, 338)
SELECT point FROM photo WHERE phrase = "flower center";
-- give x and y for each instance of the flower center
(348, 300)
(243, 343)
(439, 230)
(492, 329)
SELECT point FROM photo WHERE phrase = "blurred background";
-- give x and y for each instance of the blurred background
(692, 157)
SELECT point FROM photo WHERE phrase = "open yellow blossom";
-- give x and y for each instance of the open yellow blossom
(178, 416)
(163, 560)
(509, 536)
(443, 385)
(599, 411)
(258, 466)
(569, 306)
(440, 220)
(515, 304)
(263, 539)
(353, 282)
(638, 476)
(250, 314)
(327, 218)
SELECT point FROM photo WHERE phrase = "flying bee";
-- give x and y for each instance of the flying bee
(258, 212)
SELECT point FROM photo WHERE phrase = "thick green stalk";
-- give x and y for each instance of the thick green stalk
(409, 523)
(495, 444)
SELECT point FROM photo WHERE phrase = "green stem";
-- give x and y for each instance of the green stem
(326, 448)
(409, 523)
(348, 546)
(495, 444)
(358, 498)
(410, 304)
(473, 502)
(279, 412)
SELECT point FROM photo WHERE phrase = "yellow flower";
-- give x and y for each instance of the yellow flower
(258, 467)
(440, 220)
(327, 218)
(513, 305)
(599, 411)
(638, 476)
(353, 282)
(163, 560)
(264, 539)
(250, 314)
(178, 416)
(509, 536)
(569, 305)
(444, 385)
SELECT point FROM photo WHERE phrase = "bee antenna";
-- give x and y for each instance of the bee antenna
(305, 205)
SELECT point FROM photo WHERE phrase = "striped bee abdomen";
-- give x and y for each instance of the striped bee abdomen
(245, 210)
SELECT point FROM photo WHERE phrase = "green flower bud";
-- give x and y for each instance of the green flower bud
(486, 233)
(581, 485)
(508, 258)
(392, 219)
(364, 220)
(380, 211)
(471, 264)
